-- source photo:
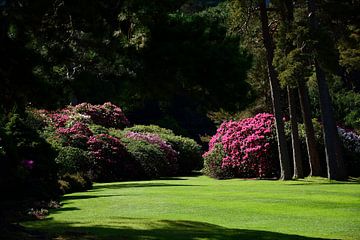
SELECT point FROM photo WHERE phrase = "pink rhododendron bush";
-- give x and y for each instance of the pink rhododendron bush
(248, 148)
(92, 143)
(107, 115)
(243, 149)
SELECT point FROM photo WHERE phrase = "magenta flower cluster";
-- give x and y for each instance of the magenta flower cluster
(247, 144)
(105, 148)
(77, 135)
(107, 115)
(110, 157)
(171, 154)
(28, 164)
(61, 117)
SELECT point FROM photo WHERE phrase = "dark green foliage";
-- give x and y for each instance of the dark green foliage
(213, 162)
(29, 165)
(97, 129)
(347, 106)
(73, 160)
(149, 157)
(189, 158)
(150, 129)
(75, 182)
(346, 103)
(189, 151)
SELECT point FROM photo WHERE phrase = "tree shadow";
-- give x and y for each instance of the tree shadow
(137, 185)
(79, 197)
(312, 183)
(161, 230)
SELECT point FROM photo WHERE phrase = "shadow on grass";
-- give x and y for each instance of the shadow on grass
(138, 185)
(161, 230)
(311, 183)
(86, 196)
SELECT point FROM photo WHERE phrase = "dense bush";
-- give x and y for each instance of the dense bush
(89, 139)
(149, 129)
(75, 182)
(189, 158)
(171, 156)
(148, 157)
(109, 156)
(213, 163)
(351, 143)
(247, 145)
(107, 115)
(29, 166)
(73, 160)
(189, 152)
(76, 135)
(98, 129)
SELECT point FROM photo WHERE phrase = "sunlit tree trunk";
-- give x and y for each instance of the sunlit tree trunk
(295, 141)
(285, 167)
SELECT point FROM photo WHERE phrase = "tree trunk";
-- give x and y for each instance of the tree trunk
(295, 141)
(314, 160)
(334, 159)
(275, 95)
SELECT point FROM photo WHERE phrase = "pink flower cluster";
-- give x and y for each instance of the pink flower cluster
(106, 148)
(77, 135)
(109, 155)
(171, 154)
(246, 144)
(107, 115)
(59, 119)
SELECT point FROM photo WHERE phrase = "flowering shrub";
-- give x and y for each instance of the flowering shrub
(213, 164)
(76, 136)
(28, 168)
(351, 140)
(351, 144)
(107, 115)
(189, 158)
(59, 119)
(189, 152)
(247, 145)
(170, 154)
(109, 156)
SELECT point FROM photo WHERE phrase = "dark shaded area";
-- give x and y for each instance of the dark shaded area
(325, 183)
(139, 185)
(164, 230)
(65, 198)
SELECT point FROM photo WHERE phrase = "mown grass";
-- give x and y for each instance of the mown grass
(204, 208)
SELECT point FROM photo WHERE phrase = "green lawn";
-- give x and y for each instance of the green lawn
(202, 208)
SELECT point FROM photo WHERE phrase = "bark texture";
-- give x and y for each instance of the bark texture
(314, 160)
(285, 168)
(335, 163)
(295, 141)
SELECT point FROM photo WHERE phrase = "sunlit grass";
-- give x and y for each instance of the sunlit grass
(203, 208)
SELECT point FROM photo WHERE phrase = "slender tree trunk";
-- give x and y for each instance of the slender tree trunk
(295, 141)
(275, 95)
(314, 160)
(334, 159)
